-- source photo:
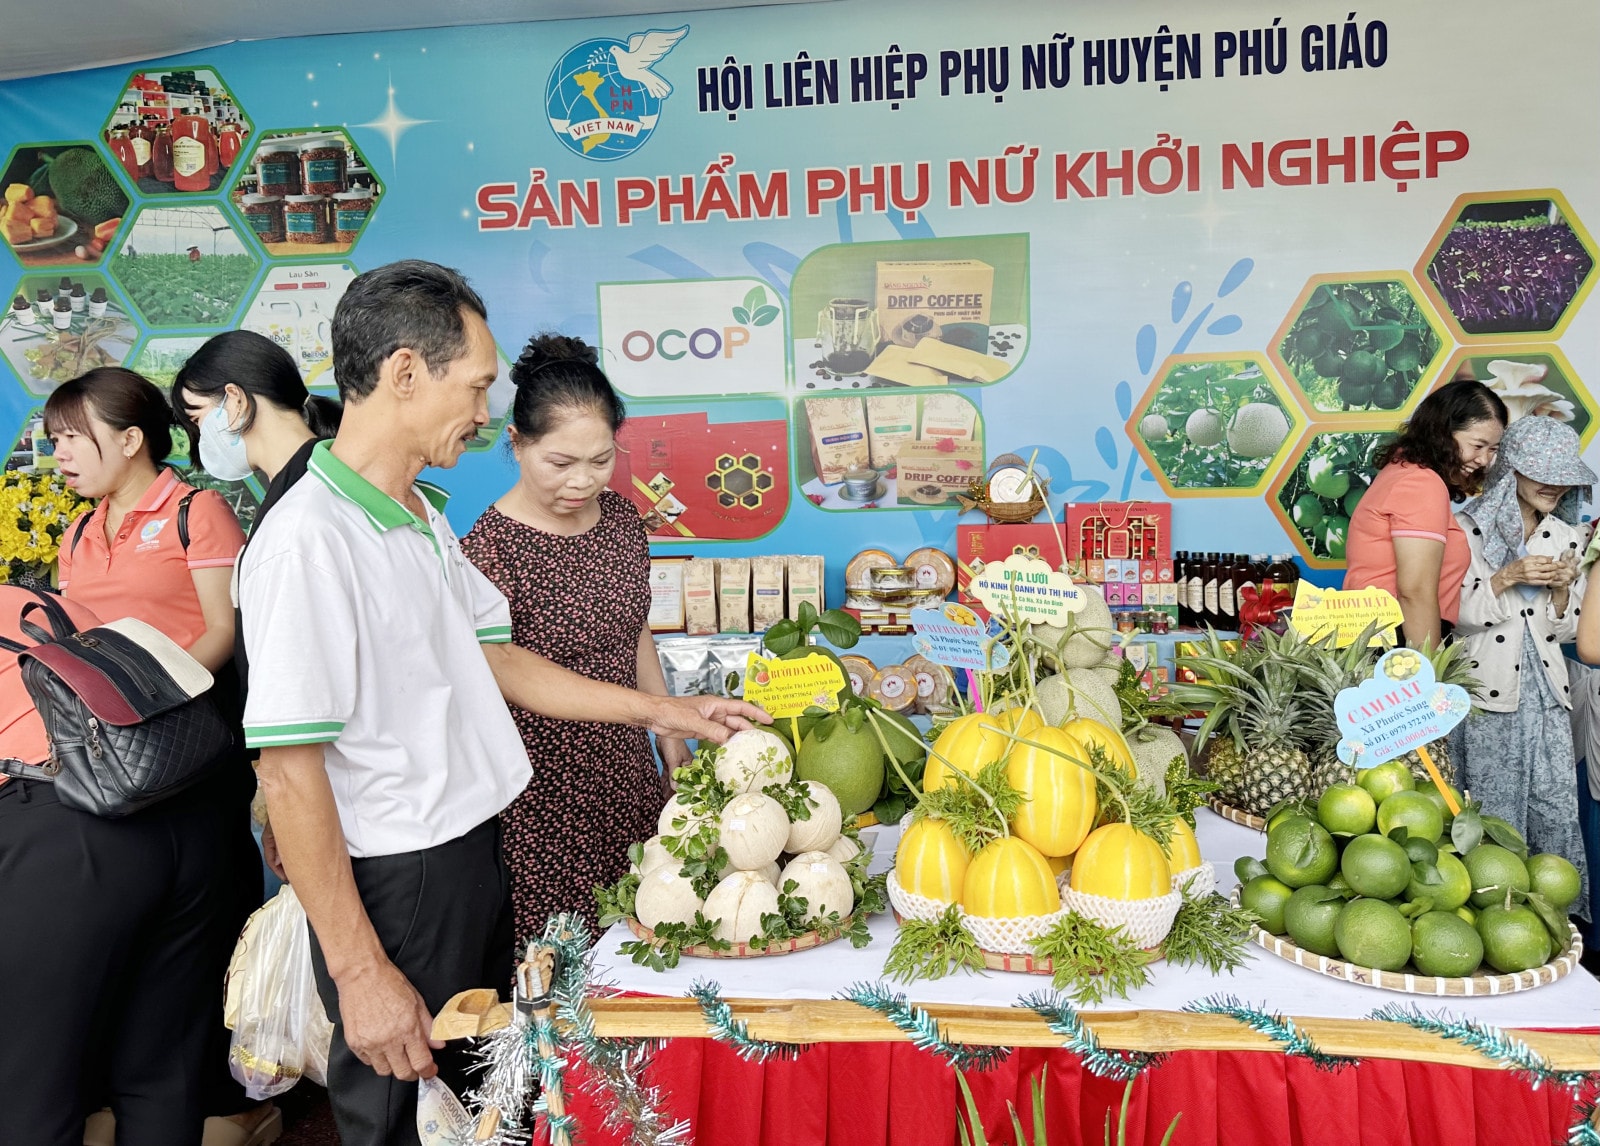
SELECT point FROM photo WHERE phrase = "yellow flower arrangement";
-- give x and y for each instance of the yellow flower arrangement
(35, 510)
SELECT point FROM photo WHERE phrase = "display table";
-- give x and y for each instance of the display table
(858, 1086)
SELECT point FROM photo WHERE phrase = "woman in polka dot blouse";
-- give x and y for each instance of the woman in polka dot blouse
(1520, 602)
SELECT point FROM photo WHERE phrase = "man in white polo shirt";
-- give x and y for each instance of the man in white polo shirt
(380, 667)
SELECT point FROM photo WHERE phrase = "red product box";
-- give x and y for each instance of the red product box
(989, 543)
(1141, 530)
(1164, 571)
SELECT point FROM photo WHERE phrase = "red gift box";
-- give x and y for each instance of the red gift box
(1121, 530)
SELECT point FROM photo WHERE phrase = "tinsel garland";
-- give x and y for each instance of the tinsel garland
(1491, 1042)
(1278, 1028)
(734, 1032)
(1062, 1018)
(1583, 1132)
(922, 1029)
(612, 1067)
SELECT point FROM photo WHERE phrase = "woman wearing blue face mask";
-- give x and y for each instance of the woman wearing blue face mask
(245, 407)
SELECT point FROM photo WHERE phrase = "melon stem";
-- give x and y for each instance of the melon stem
(872, 719)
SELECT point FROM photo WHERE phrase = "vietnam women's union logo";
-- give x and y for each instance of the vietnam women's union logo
(604, 97)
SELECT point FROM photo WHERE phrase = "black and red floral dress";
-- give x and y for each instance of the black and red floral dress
(580, 601)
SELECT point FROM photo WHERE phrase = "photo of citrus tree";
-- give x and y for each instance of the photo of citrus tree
(1325, 486)
(1359, 346)
(1214, 424)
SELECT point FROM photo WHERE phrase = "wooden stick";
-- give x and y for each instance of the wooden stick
(1438, 781)
(810, 1021)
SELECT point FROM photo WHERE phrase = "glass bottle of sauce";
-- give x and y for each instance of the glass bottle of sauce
(1210, 592)
(1227, 580)
(141, 135)
(161, 154)
(190, 146)
(213, 162)
(228, 144)
(1196, 589)
(122, 147)
(1283, 573)
(1180, 575)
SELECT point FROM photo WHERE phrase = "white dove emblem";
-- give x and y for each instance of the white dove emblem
(643, 51)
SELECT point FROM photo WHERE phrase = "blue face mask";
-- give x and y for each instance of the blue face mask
(222, 450)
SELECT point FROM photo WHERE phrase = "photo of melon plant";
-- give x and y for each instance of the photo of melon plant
(1511, 267)
(1214, 424)
(1321, 493)
(1359, 346)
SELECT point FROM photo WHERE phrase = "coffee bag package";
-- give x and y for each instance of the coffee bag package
(894, 365)
(766, 592)
(947, 416)
(943, 300)
(729, 658)
(805, 583)
(666, 594)
(838, 437)
(687, 665)
(733, 594)
(700, 596)
(891, 421)
(932, 473)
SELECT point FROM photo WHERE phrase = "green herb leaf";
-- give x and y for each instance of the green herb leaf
(1092, 961)
(926, 949)
(1210, 931)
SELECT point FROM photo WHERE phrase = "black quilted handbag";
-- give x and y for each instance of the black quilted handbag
(125, 709)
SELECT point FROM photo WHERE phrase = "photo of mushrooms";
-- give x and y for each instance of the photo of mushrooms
(1531, 383)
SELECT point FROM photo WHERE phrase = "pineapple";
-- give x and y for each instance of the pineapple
(1254, 700)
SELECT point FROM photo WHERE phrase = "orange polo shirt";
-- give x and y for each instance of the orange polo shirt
(21, 731)
(1406, 500)
(145, 572)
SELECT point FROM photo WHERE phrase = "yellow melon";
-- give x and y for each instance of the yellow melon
(1058, 864)
(1009, 878)
(1118, 861)
(931, 861)
(1061, 805)
(969, 743)
(1092, 732)
(1183, 851)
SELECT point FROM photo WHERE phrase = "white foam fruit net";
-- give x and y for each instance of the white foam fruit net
(1147, 921)
(1012, 936)
(1201, 881)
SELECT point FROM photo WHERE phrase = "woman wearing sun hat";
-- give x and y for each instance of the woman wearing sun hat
(1520, 601)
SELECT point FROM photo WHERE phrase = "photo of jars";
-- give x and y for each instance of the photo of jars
(61, 204)
(177, 131)
(306, 193)
(1321, 492)
(56, 326)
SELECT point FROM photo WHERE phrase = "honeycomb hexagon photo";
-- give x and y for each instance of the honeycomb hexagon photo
(62, 204)
(1320, 487)
(1214, 425)
(184, 266)
(1358, 348)
(1504, 264)
(305, 193)
(176, 131)
(55, 326)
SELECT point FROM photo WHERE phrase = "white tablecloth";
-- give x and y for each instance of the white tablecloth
(1265, 981)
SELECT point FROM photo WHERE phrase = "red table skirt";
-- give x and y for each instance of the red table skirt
(891, 1094)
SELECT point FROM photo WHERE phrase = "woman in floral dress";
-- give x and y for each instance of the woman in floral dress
(573, 560)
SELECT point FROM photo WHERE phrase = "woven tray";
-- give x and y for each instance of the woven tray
(1412, 983)
(1236, 815)
(744, 950)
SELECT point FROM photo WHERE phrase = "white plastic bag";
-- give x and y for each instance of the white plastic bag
(280, 1030)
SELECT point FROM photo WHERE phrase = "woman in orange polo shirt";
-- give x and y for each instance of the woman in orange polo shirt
(111, 926)
(157, 549)
(1403, 535)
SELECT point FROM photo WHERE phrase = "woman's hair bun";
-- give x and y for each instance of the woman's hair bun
(544, 349)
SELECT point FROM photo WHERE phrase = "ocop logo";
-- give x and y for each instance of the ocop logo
(699, 337)
(603, 97)
(704, 341)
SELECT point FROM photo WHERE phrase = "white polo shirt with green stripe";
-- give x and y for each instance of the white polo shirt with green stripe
(362, 623)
